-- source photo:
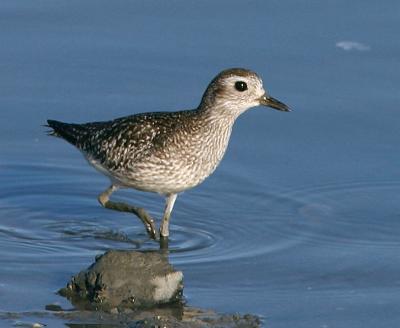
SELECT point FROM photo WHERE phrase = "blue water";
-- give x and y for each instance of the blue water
(300, 224)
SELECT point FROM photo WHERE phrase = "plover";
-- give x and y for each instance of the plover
(167, 152)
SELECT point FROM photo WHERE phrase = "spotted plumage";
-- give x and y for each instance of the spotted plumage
(167, 152)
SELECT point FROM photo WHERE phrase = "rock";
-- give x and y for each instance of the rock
(121, 280)
(130, 289)
(197, 318)
(175, 315)
(162, 317)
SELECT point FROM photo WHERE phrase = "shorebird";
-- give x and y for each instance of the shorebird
(167, 152)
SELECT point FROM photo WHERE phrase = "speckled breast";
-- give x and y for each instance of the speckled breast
(181, 162)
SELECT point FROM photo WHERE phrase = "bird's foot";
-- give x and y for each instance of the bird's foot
(151, 229)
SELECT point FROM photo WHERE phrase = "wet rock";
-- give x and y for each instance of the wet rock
(120, 280)
(169, 316)
(199, 319)
(159, 318)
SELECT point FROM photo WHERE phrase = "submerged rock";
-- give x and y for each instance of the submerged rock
(120, 280)
(187, 317)
(197, 318)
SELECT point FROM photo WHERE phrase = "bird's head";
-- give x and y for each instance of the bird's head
(235, 90)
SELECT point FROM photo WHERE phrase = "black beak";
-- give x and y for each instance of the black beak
(273, 103)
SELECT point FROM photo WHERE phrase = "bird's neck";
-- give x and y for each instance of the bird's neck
(221, 113)
(217, 127)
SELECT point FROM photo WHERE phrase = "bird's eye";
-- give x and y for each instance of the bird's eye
(241, 86)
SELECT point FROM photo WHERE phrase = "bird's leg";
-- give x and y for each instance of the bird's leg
(169, 204)
(104, 199)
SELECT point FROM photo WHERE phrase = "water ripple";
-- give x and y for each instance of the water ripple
(51, 210)
(360, 213)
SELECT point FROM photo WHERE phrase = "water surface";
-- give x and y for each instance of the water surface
(300, 224)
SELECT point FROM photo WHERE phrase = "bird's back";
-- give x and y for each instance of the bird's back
(111, 141)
